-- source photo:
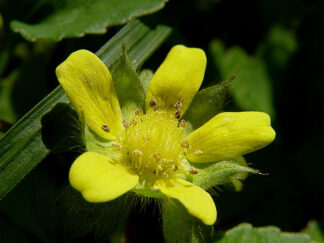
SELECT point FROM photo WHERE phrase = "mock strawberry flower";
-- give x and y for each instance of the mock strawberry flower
(149, 152)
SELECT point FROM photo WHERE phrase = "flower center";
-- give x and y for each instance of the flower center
(153, 144)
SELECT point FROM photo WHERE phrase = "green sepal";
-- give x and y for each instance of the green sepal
(145, 76)
(130, 92)
(315, 229)
(95, 143)
(207, 103)
(102, 218)
(245, 233)
(179, 226)
(213, 174)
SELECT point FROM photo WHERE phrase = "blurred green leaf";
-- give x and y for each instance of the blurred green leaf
(7, 111)
(180, 226)
(315, 230)
(245, 233)
(252, 88)
(17, 92)
(207, 103)
(77, 18)
(278, 47)
(22, 148)
(128, 86)
(213, 174)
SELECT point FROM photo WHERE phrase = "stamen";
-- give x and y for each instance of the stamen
(193, 171)
(137, 153)
(182, 124)
(116, 146)
(156, 108)
(105, 128)
(157, 156)
(178, 114)
(125, 124)
(153, 103)
(185, 144)
(178, 105)
(133, 123)
(174, 167)
(139, 111)
(198, 152)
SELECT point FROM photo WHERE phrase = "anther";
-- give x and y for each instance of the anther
(157, 156)
(185, 144)
(137, 152)
(193, 171)
(133, 123)
(178, 105)
(153, 103)
(139, 111)
(178, 114)
(125, 124)
(174, 167)
(182, 124)
(156, 108)
(198, 152)
(105, 128)
(116, 146)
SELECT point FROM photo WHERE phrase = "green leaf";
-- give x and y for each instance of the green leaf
(22, 148)
(180, 226)
(77, 18)
(207, 103)
(213, 174)
(278, 47)
(315, 230)
(245, 233)
(128, 86)
(17, 91)
(252, 89)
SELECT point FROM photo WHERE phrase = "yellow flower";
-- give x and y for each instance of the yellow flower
(149, 154)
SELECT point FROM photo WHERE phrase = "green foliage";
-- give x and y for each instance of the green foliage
(252, 88)
(278, 47)
(245, 233)
(315, 230)
(77, 18)
(179, 226)
(130, 91)
(22, 148)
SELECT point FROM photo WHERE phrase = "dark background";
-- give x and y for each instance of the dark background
(289, 195)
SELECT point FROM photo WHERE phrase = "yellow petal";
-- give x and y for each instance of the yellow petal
(99, 178)
(197, 201)
(177, 79)
(88, 84)
(229, 135)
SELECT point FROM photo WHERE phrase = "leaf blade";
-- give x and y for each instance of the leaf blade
(77, 18)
